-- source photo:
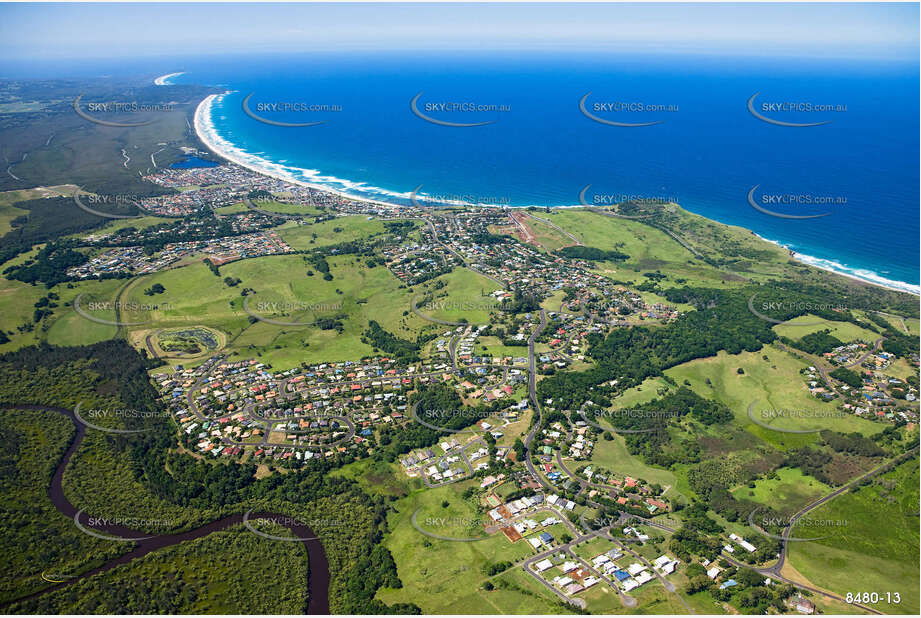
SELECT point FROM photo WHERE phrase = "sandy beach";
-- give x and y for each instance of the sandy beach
(209, 137)
(164, 79)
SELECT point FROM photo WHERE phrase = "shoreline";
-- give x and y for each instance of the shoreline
(162, 80)
(207, 134)
(820, 263)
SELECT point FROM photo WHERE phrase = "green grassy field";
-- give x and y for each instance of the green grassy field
(649, 249)
(775, 384)
(8, 212)
(645, 392)
(463, 297)
(443, 576)
(65, 326)
(786, 494)
(340, 229)
(195, 296)
(492, 346)
(548, 237)
(798, 328)
(614, 456)
(233, 209)
(876, 549)
(377, 477)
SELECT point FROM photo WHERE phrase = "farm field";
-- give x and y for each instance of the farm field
(440, 575)
(878, 533)
(789, 492)
(772, 384)
(614, 455)
(847, 332)
(339, 230)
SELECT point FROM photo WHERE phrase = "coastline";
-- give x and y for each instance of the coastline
(206, 133)
(824, 264)
(204, 129)
(163, 80)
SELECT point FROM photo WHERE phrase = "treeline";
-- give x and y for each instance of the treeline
(47, 220)
(853, 443)
(162, 583)
(115, 371)
(697, 536)
(402, 350)
(641, 352)
(593, 254)
(521, 303)
(485, 238)
(49, 266)
(646, 426)
(818, 342)
(851, 378)
(722, 321)
(896, 342)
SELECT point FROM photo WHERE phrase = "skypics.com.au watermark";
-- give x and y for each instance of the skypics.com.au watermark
(770, 414)
(808, 524)
(91, 202)
(449, 305)
(97, 111)
(428, 200)
(263, 310)
(434, 111)
(799, 306)
(107, 524)
(607, 200)
(301, 529)
(433, 526)
(263, 110)
(432, 418)
(92, 416)
(631, 414)
(770, 203)
(612, 113)
(460, 305)
(783, 113)
(89, 310)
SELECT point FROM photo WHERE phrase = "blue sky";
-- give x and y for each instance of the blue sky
(37, 31)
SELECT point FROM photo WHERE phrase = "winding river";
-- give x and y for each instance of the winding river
(318, 583)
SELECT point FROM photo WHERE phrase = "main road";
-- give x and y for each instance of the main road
(532, 393)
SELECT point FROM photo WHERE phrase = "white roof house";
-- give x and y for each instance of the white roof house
(635, 568)
(644, 577)
(543, 565)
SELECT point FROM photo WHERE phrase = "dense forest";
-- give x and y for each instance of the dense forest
(174, 486)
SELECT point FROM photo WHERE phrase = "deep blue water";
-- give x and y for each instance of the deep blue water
(192, 162)
(707, 155)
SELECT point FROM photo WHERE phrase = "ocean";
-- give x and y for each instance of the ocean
(546, 130)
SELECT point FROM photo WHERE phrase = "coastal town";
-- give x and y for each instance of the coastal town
(539, 496)
(459, 309)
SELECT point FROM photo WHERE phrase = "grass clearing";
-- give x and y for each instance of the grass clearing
(772, 384)
(799, 327)
(442, 576)
(880, 538)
